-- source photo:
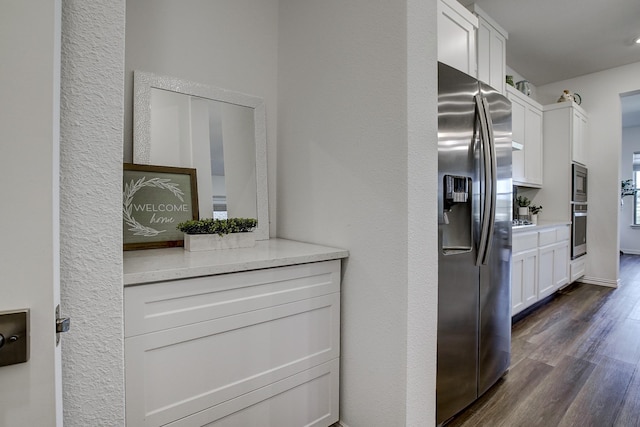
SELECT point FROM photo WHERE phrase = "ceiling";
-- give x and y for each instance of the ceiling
(551, 40)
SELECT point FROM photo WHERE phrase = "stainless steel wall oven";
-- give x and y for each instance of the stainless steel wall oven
(578, 230)
(579, 175)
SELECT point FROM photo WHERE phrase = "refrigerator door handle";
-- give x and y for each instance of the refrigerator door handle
(494, 179)
(487, 181)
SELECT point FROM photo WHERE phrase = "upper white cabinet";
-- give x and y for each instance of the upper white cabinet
(527, 128)
(579, 137)
(565, 141)
(457, 36)
(491, 48)
(568, 126)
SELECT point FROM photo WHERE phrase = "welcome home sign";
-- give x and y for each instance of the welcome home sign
(155, 199)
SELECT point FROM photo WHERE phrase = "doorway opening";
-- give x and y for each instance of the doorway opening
(629, 213)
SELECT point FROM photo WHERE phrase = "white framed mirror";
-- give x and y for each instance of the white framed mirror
(220, 133)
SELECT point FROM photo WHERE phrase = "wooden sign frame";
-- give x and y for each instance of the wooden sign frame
(154, 200)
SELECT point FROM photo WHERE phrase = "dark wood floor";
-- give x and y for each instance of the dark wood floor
(574, 362)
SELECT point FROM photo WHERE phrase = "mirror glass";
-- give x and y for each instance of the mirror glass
(220, 133)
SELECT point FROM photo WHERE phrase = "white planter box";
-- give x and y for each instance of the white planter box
(208, 242)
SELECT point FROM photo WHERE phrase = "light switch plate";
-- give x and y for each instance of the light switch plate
(14, 328)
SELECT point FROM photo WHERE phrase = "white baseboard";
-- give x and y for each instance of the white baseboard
(600, 282)
(630, 251)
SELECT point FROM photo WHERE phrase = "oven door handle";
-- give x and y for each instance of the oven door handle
(580, 214)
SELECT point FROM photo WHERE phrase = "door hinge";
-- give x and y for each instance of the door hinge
(62, 324)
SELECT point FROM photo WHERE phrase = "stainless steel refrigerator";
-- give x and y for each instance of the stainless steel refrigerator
(474, 238)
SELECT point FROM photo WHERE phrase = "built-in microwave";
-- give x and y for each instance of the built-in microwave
(579, 184)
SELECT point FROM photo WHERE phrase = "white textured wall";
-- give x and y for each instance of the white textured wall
(228, 44)
(91, 219)
(601, 99)
(356, 169)
(629, 237)
(422, 171)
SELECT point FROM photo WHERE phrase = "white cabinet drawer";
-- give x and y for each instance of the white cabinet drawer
(159, 306)
(524, 241)
(554, 235)
(309, 398)
(578, 268)
(181, 371)
(258, 347)
(563, 233)
(547, 237)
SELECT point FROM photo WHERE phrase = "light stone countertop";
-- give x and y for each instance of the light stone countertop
(539, 226)
(157, 265)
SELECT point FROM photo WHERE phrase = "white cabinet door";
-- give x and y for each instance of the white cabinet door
(578, 149)
(497, 55)
(518, 112)
(561, 264)
(524, 290)
(517, 279)
(540, 265)
(533, 148)
(553, 269)
(546, 282)
(457, 36)
(564, 124)
(527, 130)
(491, 52)
(524, 271)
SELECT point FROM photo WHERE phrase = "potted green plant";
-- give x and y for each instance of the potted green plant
(627, 188)
(209, 234)
(535, 210)
(523, 206)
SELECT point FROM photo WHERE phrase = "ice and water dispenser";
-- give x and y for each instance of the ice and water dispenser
(457, 214)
